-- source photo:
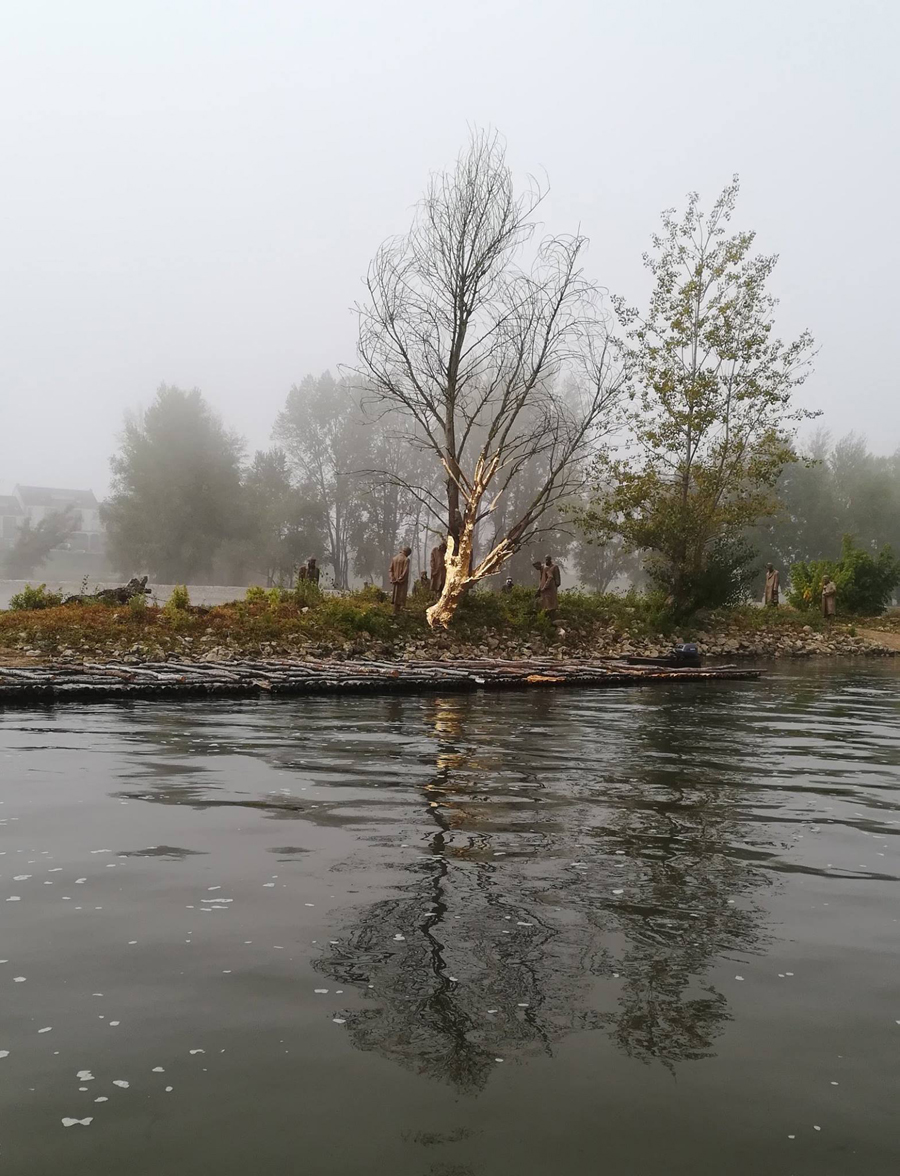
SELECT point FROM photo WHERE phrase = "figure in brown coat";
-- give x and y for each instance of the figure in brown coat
(829, 594)
(400, 578)
(771, 594)
(549, 583)
(312, 570)
(438, 567)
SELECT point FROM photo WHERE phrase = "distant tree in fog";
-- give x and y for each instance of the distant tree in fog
(839, 488)
(285, 525)
(176, 496)
(323, 436)
(33, 544)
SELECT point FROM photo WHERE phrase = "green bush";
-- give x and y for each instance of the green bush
(723, 580)
(307, 594)
(137, 606)
(256, 594)
(31, 598)
(179, 601)
(345, 614)
(865, 583)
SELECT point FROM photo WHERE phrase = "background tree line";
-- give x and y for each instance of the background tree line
(498, 403)
(342, 482)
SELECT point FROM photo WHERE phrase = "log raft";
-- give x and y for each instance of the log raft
(95, 681)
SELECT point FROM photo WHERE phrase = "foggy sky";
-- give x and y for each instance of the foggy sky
(191, 191)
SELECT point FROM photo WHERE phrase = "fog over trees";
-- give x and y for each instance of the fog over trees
(498, 403)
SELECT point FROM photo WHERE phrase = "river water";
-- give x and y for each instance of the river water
(649, 932)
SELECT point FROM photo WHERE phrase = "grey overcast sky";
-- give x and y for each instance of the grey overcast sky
(191, 190)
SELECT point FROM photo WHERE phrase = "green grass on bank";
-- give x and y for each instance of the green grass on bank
(364, 619)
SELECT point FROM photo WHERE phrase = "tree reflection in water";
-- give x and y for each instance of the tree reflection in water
(582, 861)
(514, 934)
(478, 971)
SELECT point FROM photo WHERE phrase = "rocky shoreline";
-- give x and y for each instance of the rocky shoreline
(722, 645)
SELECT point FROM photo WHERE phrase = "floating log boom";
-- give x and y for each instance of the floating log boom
(57, 682)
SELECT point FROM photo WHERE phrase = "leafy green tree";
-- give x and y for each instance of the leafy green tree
(33, 544)
(176, 495)
(711, 410)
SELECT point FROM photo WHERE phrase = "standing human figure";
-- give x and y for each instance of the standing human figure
(829, 594)
(549, 583)
(770, 597)
(422, 586)
(312, 570)
(400, 578)
(438, 567)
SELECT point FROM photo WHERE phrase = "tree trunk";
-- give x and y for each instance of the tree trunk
(458, 564)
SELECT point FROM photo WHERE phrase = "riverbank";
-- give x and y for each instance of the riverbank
(360, 626)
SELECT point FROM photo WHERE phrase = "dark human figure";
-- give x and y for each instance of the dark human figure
(549, 583)
(770, 597)
(508, 584)
(422, 586)
(438, 567)
(400, 578)
(312, 570)
(301, 572)
(829, 594)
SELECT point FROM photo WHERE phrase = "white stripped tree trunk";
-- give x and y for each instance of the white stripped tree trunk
(458, 559)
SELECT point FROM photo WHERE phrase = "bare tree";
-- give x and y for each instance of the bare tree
(474, 347)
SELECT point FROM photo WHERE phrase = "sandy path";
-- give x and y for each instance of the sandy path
(891, 640)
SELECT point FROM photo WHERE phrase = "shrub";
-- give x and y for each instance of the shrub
(31, 598)
(723, 580)
(865, 583)
(256, 594)
(137, 606)
(179, 601)
(307, 594)
(346, 614)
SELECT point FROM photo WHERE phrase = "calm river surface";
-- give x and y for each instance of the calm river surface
(629, 933)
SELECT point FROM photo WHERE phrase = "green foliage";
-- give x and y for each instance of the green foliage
(722, 578)
(307, 594)
(349, 615)
(865, 583)
(256, 594)
(711, 388)
(179, 601)
(137, 607)
(31, 598)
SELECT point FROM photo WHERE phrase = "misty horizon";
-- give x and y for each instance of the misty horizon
(194, 193)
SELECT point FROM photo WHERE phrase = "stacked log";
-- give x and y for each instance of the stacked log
(252, 678)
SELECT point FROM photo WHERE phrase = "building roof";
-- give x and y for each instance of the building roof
(52, 497)
(10, 505)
